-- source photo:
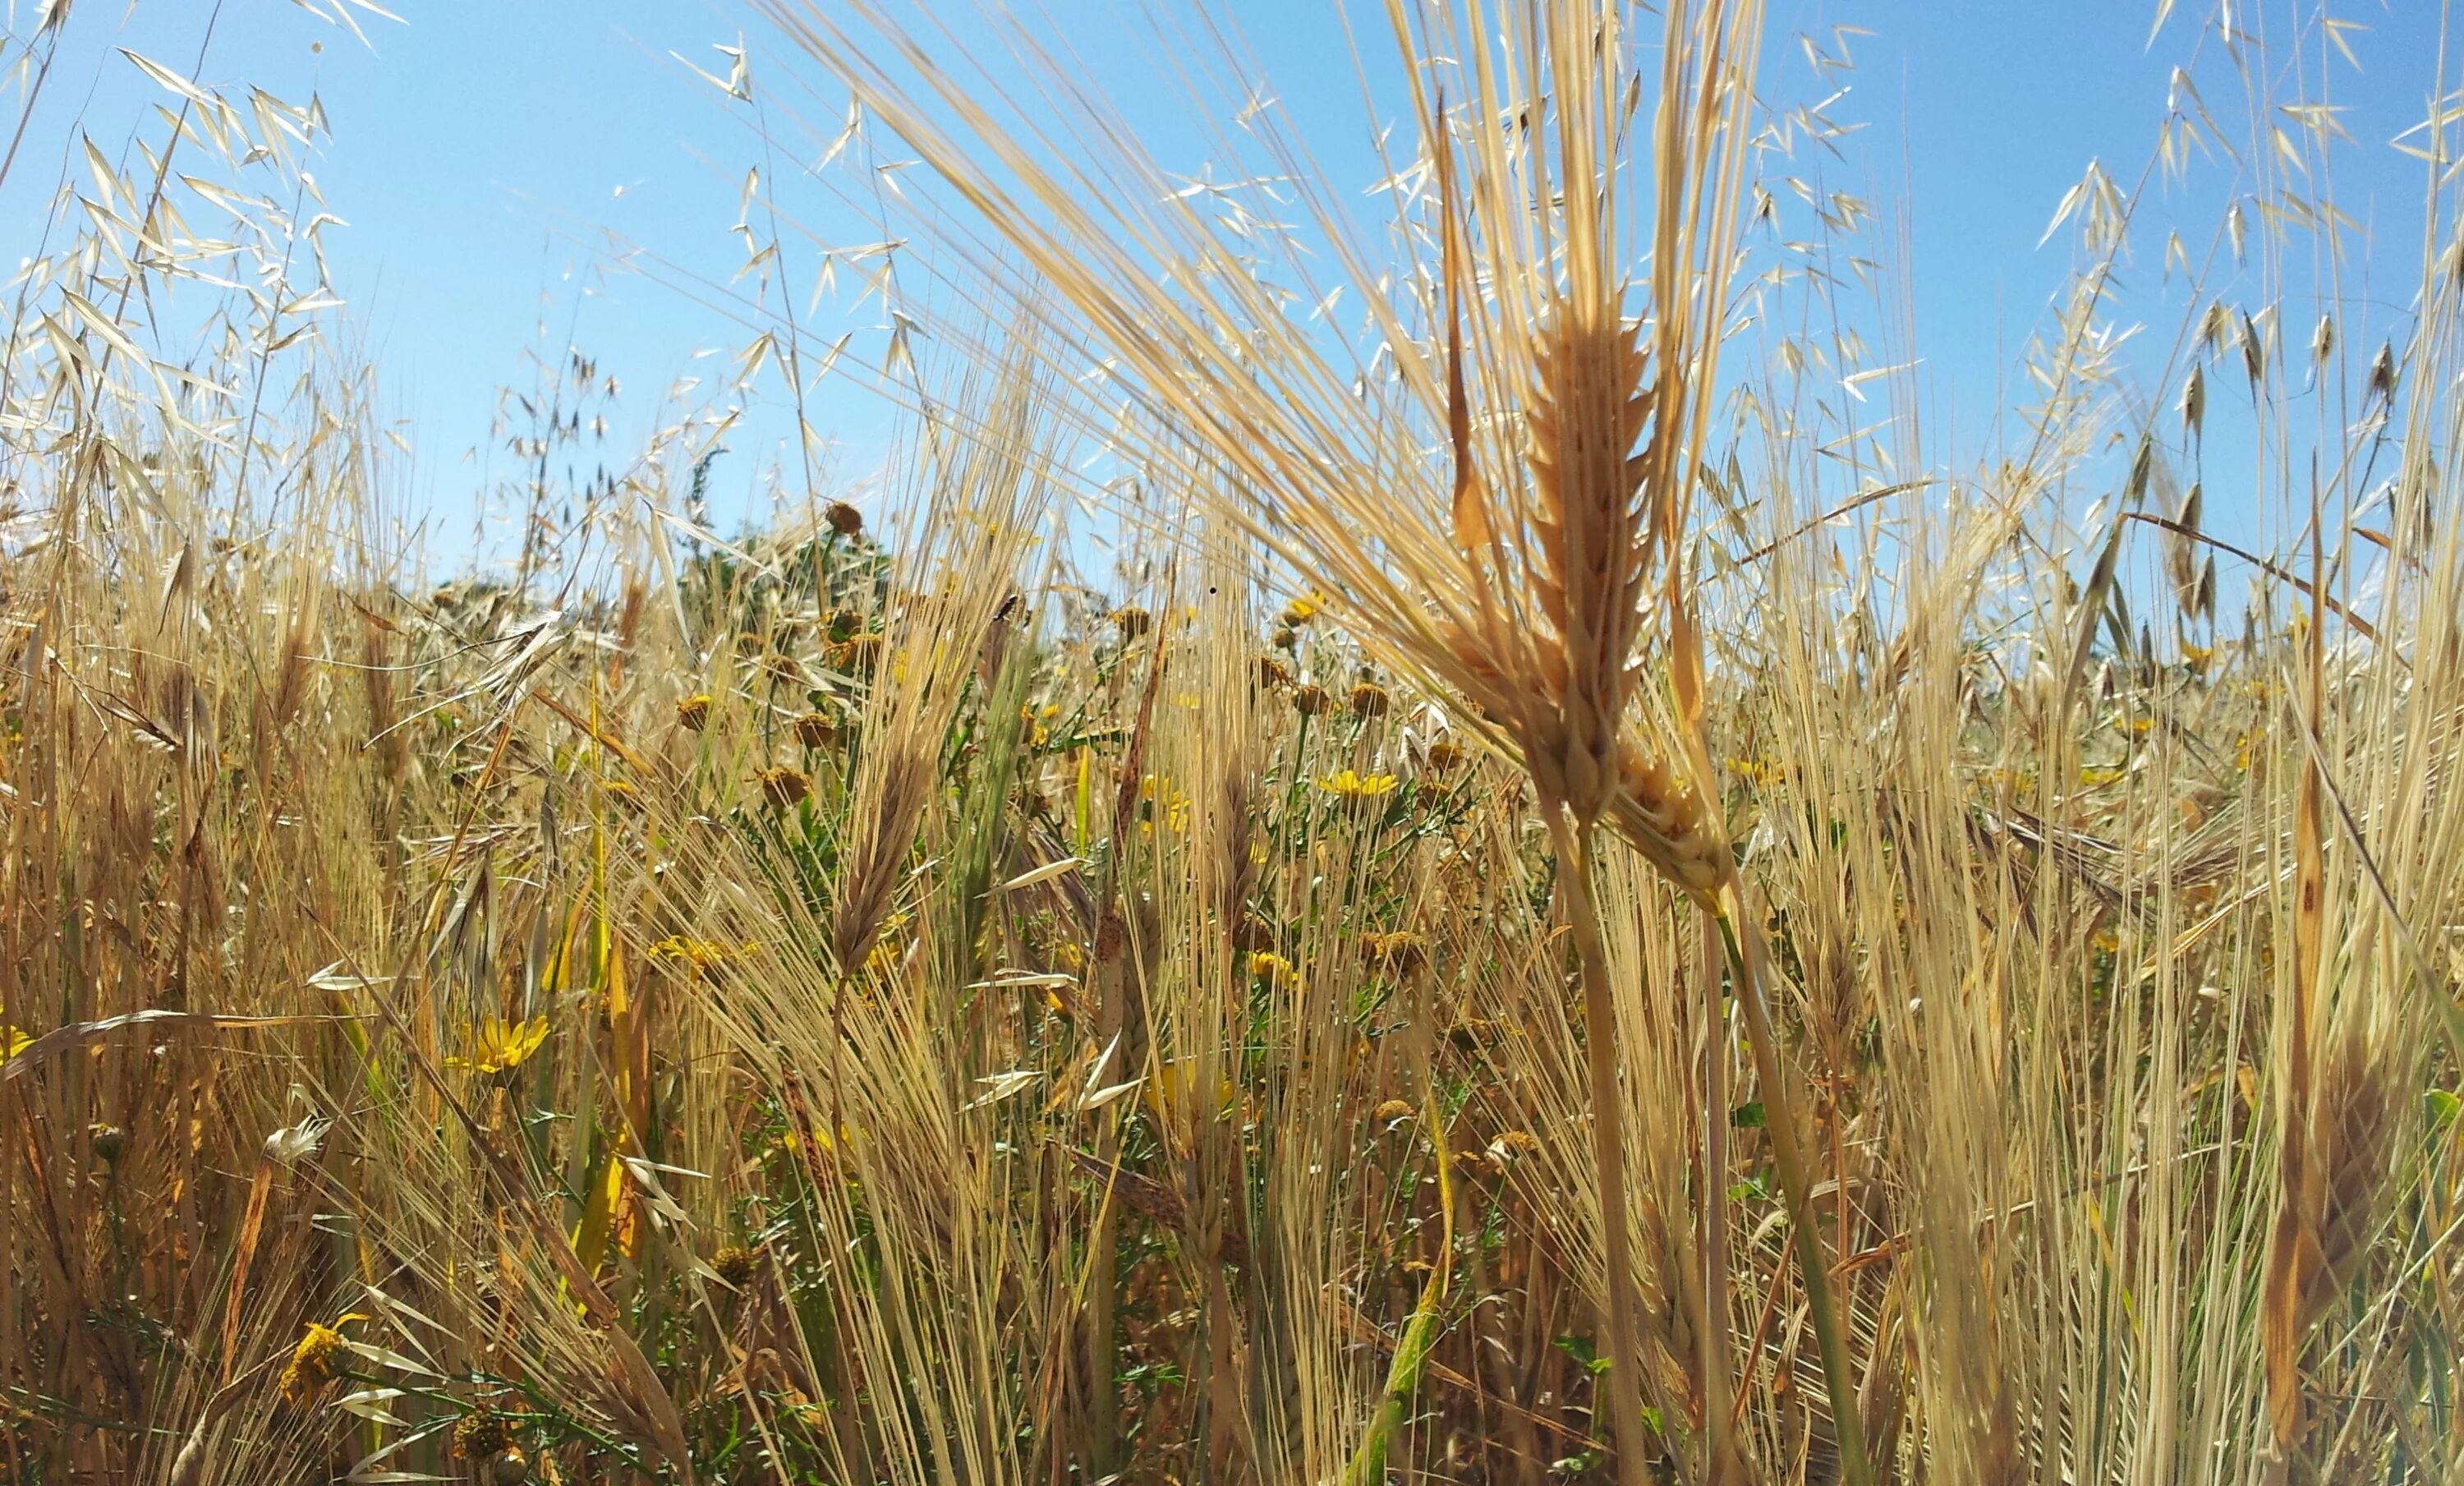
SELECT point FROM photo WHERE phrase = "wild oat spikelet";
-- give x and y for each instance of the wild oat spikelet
(693, 712)
(1513, 1146)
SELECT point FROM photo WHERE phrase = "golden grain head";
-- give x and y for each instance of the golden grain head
(1659, 816)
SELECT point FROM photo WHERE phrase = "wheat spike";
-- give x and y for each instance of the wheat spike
(1586, 409)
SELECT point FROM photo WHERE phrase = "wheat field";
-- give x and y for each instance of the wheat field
(1496, 911)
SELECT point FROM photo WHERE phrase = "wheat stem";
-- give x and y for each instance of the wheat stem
(1574, 842)
(1780, 1111)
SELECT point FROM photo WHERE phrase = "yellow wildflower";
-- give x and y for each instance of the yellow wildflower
(693, 712)
(784, 787)
(1272, 969)
(703, 955)
(316, 1362)
(1401, 952)
(497, 1045)
(1351, 785)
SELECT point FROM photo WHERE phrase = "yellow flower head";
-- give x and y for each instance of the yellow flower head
(316, 1362)
(481, 1434)
(12, 1042)
(703, 955)
(784, 787)
(856, 655)
(737, 1264)
(1273, 968)
(1351, 785)
(497, 1045)
(1761, 772)
(1401, 952)
(693, 712)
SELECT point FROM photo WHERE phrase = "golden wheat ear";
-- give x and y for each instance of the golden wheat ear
(1583, 413)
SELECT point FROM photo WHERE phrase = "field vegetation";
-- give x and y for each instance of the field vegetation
(1534, 897)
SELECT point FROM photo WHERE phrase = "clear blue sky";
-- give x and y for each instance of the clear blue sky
(482, 153)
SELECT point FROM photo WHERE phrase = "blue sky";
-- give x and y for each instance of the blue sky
(489, 158)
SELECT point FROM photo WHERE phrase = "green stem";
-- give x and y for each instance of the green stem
(1367, 1466)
